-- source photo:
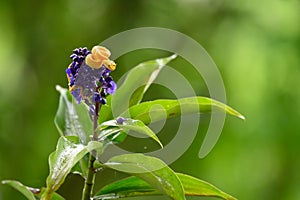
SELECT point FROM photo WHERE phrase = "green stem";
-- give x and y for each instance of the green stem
(47, 195)
(90, 179)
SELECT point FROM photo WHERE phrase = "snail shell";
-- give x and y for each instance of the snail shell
(98, 57)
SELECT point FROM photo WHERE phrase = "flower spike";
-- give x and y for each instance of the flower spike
(88, 75)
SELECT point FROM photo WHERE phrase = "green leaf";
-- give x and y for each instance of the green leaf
(196, 187)
(79, 169)
(68, 152)
(26, 191)
(133, 186)
(105, 112)
(156, 110)
(118, 138)
(128, 187)
(130, 125)
(112, 135)
(106, 132)
(137, 82)
(55, 196)
(150, 169)
(142, 75)
(72, 118)
(29, 192)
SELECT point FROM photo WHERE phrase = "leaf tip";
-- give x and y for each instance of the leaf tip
(58, 87)
(242, 117)
(173, 56)
(160, 144)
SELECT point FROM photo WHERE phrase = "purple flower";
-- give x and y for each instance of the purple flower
(112, 87)
(88, 83)
(77, 59)
(120, 120)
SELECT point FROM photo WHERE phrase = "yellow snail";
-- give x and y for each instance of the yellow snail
(98, 57)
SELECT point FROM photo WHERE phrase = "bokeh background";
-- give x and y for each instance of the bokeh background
(255, 44)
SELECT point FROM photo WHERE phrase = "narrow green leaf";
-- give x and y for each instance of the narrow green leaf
(112, 135)
(29, 192)
(94, 145)
(107, 132)
(61, 161)
(156, 110)
(55, 196)
(143, 75)
(78, 169)
(68, 152)
(118, 137)
(133, 186)
(131, 125)
(26, 191)
(150, 169)
(105, 112)
(131, 92)
(196, 187)
(72, 118)
(128, 187)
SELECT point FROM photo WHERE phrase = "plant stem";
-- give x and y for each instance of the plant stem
(90, 179)
(97, 108)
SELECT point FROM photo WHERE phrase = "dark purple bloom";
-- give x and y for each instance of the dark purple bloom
(86, 83)
(97, 97)
(112, 88)
(100, 98)
(77, 96)
(120, 120)
(77, 59)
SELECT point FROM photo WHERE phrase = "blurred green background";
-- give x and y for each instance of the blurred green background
(255, 44)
